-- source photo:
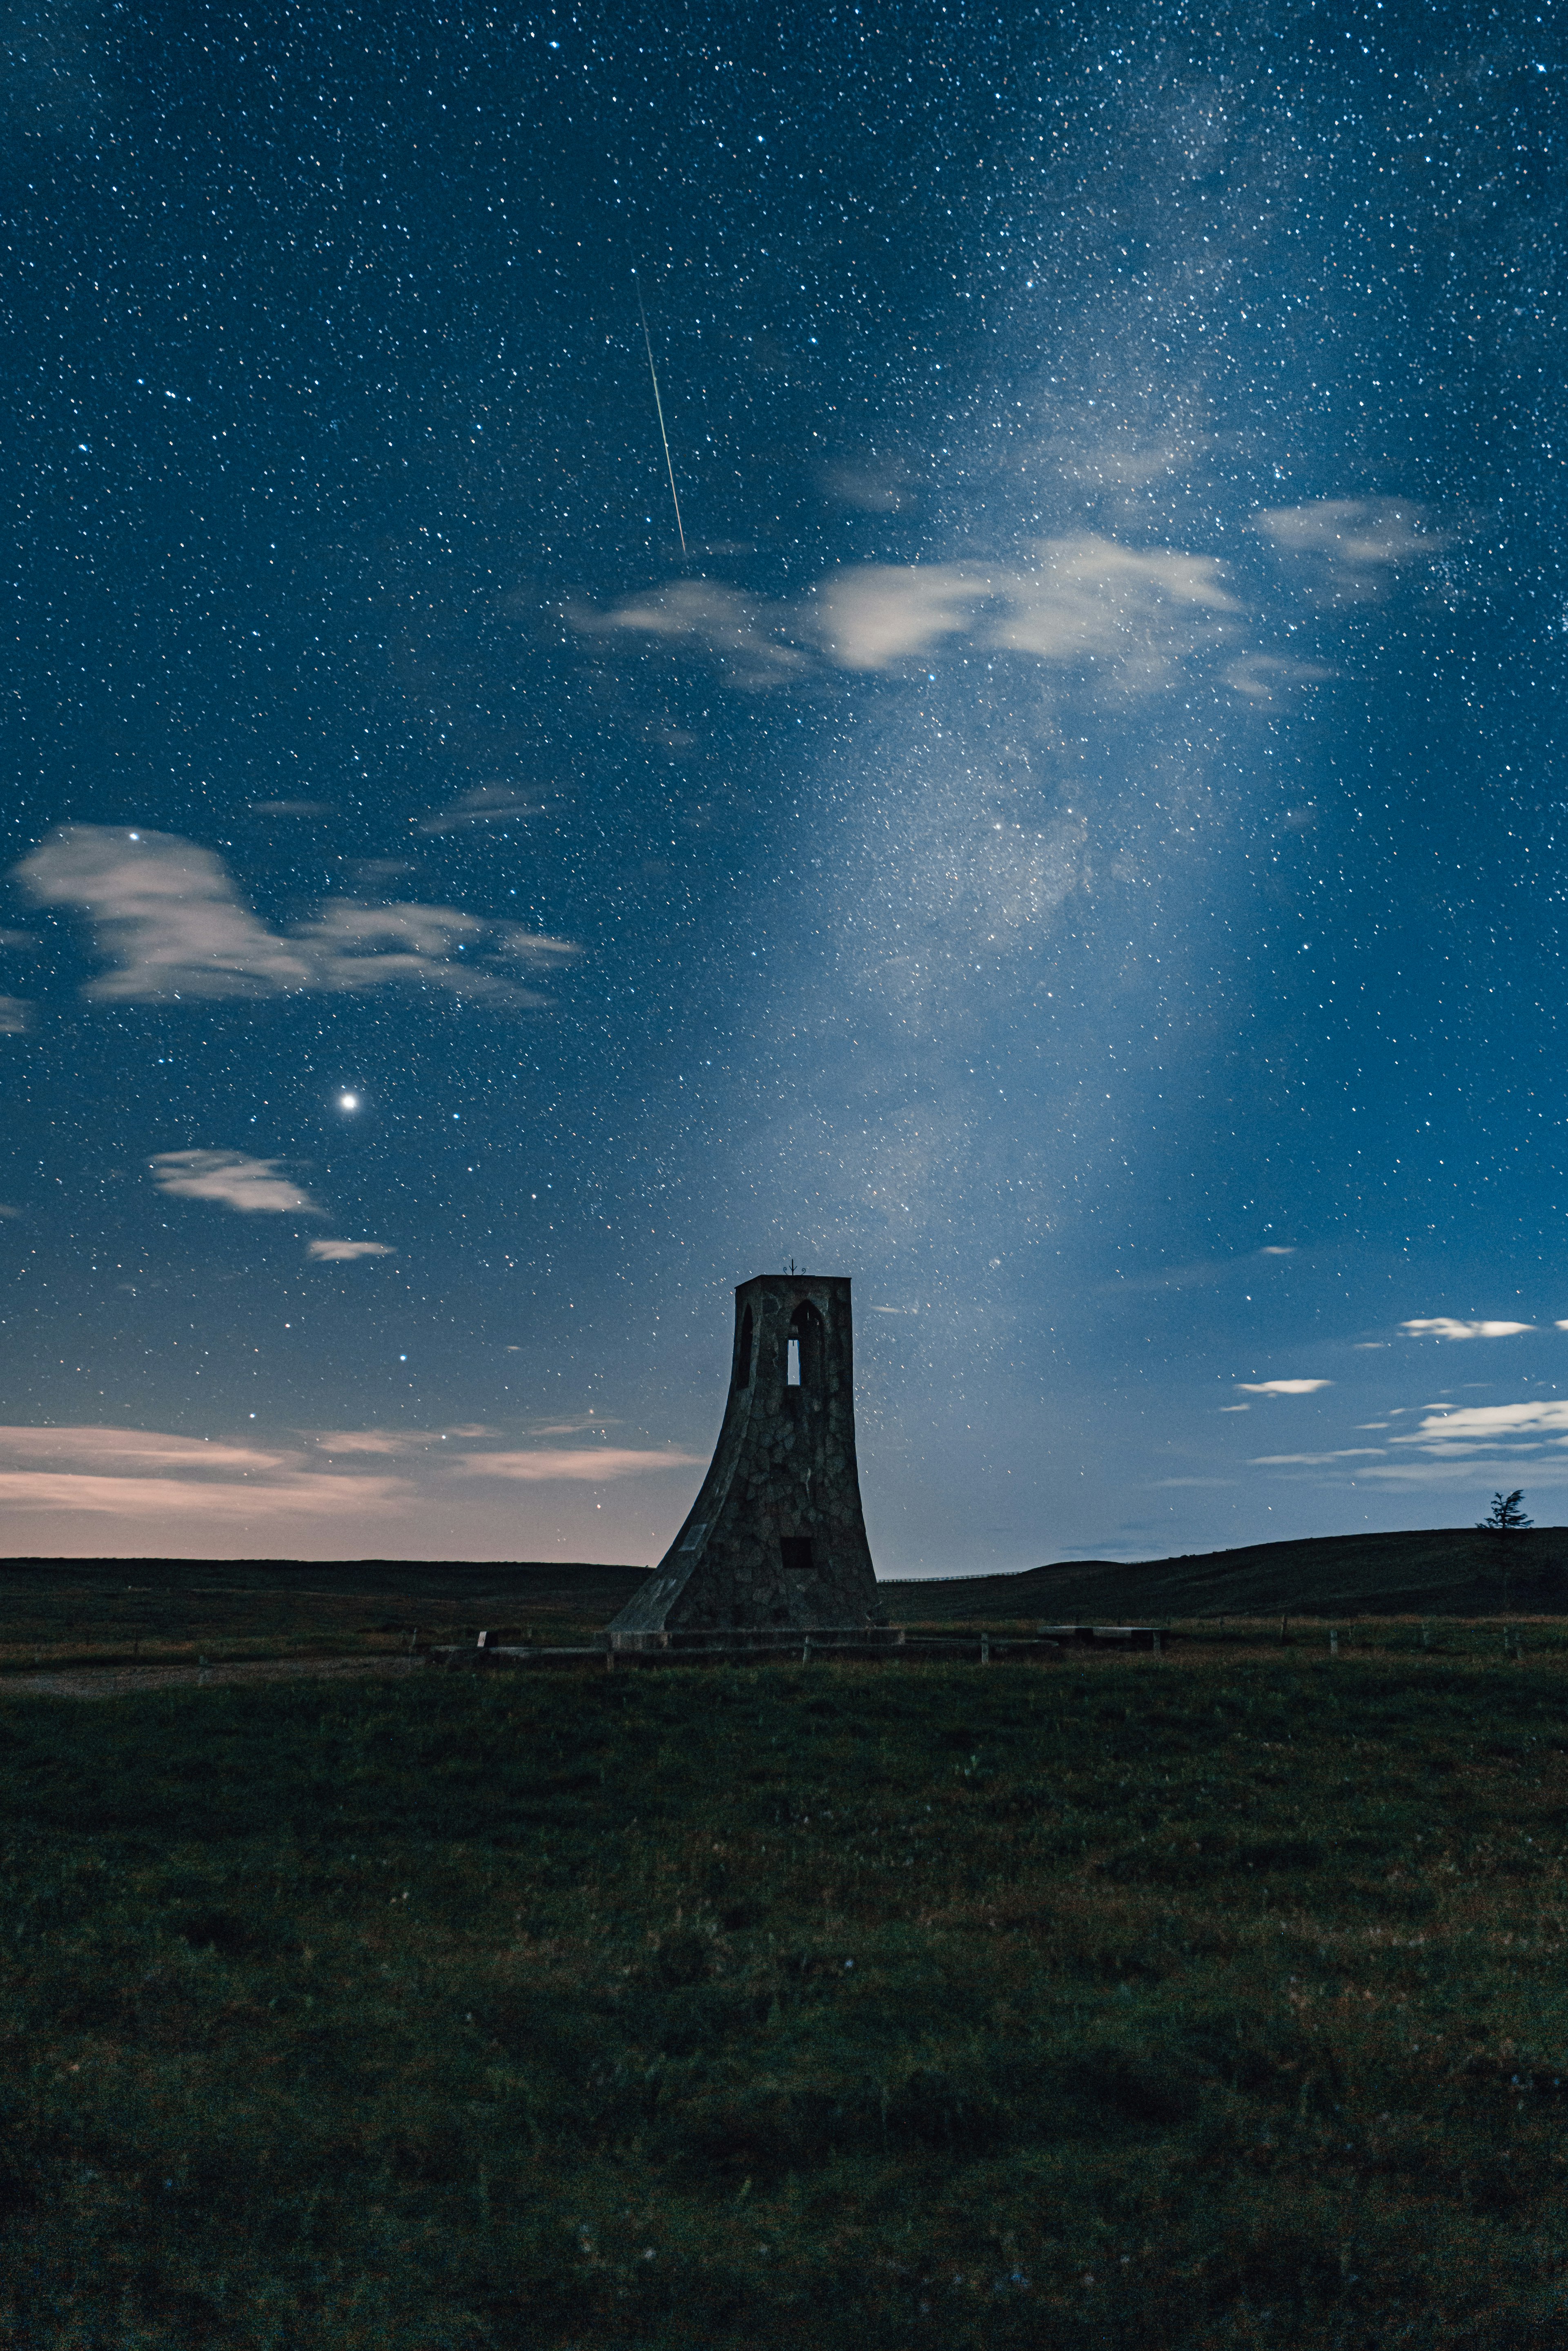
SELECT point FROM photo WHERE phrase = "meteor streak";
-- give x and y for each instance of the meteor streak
(659, 411)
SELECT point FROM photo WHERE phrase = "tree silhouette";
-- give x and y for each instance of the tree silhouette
(1505, 1517)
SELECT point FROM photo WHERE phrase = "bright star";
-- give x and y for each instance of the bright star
(348, 1101)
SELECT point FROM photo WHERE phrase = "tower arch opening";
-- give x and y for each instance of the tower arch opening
(805, 1353)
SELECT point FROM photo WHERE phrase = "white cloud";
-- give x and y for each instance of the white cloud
(362, 947)
(1127, 616)
(1485, 1422)
(1092, 601)
(583, 1465)
(16, 1016)
(879, 615)
(1235, 1407)
(165, 915)
(1444, 1326)
(345, 1252)
(1082, 603)
(252, 1184)
(1282, 1387)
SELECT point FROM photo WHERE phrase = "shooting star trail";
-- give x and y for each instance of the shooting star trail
(659, 411)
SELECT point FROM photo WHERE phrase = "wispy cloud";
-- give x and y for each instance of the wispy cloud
(1351, 548)
(486, 804)
(1444, 1326)
(1472, 1469)
(395, 1440)
(1313, 1460)
(16, 1016)
(708, 617)
(317, 1496)
(1485, 1422)
(590, 1464)
(166, 917)
(156, 1491)
(345, 1252)
(87, 1447)
(254, 1186)
(1128, 617)
(1265, 677)
(1282, 1387)
(135, 1474)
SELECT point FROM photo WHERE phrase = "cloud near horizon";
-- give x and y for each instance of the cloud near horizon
(1282, 1387)
(164, 915)
(1444, 1326)
(144, 1477)
(1284, 1460)
(1470, 1424)
(137, 1449)
(589, 1465)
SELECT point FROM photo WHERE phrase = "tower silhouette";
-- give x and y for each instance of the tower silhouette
(775, 1539)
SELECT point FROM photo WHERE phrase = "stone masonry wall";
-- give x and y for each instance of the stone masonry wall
(784, 1471)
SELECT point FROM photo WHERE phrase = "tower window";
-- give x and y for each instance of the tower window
(795, 1553)
(803, 1357)
(743, 1351)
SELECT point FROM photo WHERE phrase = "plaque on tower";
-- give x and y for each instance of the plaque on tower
(775, 1543)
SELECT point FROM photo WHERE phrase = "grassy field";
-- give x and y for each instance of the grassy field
(123, 1611)
(1212, 1999)
(56, 1613)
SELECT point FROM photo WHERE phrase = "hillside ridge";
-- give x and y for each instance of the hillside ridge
(1436, 1571)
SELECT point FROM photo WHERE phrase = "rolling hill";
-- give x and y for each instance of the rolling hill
(1437, 1571)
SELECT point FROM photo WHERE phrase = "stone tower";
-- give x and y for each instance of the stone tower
(775, 1541)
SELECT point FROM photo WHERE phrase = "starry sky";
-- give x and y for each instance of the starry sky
(1062, 827)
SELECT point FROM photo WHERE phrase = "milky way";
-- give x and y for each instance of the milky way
(1071, 844)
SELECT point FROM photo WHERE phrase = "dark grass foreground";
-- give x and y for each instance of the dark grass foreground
(1203, 2001)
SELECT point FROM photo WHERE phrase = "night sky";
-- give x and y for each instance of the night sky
(1073, 843)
